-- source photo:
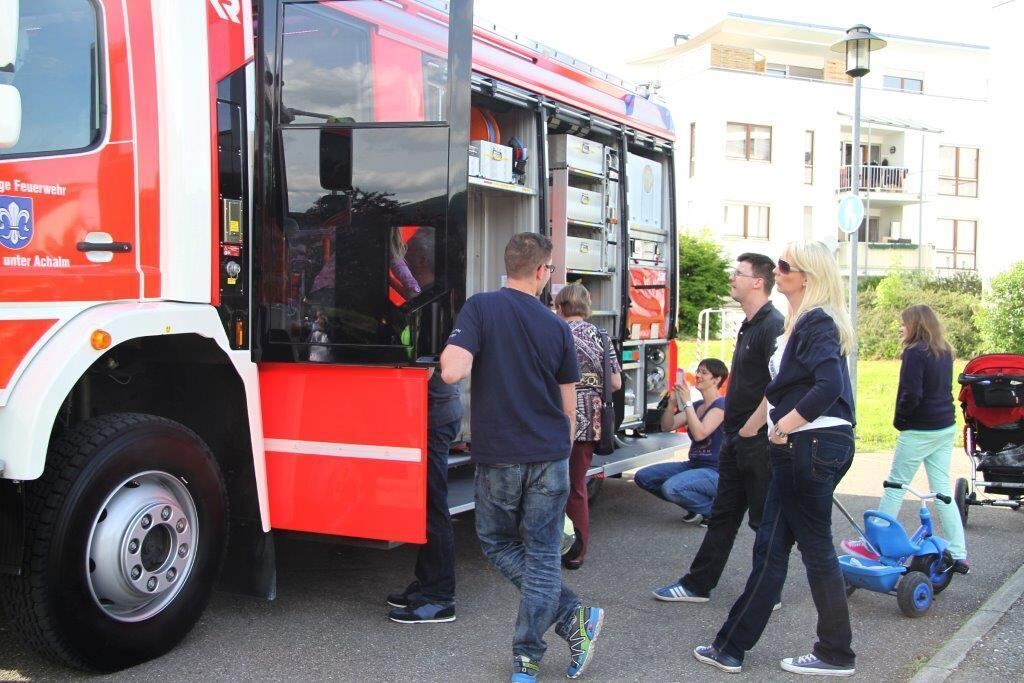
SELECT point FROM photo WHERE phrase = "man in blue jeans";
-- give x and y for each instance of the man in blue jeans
(430, 599)
(524, 372)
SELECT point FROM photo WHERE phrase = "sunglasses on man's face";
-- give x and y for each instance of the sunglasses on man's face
(785, 268)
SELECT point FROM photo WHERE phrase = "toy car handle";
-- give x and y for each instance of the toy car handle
(896, 485)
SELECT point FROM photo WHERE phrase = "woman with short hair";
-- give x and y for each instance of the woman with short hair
(573, 304)
(692, 483)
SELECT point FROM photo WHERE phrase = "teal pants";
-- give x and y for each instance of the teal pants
(933, 448)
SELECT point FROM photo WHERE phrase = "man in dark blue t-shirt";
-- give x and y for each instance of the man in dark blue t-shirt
(522, 360)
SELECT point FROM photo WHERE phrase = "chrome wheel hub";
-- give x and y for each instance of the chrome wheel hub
(141, 546)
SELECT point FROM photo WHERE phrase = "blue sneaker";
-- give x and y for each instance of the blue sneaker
(585, 629)
(709, 655)
(677, 592)
(524, 670)
(424, 613)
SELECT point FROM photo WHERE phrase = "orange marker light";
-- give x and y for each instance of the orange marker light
(100, 339)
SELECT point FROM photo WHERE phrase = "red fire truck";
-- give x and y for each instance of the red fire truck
(233, 237)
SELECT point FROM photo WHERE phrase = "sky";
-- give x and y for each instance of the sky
(607, 33)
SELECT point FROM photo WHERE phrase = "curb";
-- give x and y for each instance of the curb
(945, 662)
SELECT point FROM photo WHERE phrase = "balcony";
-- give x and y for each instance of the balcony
(882, 258)
(887, 184)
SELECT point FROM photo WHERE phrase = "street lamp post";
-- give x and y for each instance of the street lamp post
(858, 46)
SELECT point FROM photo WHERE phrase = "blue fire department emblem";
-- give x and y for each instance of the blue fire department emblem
(16, 225)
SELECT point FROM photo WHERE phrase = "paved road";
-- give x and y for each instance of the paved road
(328, 621)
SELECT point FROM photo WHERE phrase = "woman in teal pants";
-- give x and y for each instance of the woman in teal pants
(925, 418)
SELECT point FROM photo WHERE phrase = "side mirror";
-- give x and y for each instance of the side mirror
(10, 116)
(9, 26)
(336, 159)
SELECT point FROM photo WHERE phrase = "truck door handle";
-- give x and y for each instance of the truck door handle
(99, 247)
(121, 247)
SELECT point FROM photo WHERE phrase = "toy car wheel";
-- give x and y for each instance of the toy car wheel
(933, 567)
(914, 594)
(850, 589)
(960, 497)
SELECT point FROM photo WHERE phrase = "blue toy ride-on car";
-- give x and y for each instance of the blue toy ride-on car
(913, 568)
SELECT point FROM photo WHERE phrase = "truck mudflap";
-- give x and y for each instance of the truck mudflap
(634, 451)
(12, 527)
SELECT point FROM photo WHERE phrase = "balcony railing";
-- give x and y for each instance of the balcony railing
(875, 178)
(882, 258)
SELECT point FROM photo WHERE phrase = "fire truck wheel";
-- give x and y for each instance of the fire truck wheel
(126, 531)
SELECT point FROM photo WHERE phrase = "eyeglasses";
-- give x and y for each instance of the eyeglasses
(737, 273)
(549, 266)
(785, 268)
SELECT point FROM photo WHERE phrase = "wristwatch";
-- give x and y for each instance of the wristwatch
(779, 433)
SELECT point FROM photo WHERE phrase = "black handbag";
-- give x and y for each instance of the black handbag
(606, 445)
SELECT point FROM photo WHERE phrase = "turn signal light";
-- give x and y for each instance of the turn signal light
(239, 333)
(100, 339)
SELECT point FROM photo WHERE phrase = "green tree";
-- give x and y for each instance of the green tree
(703, 280)
(1002, 319)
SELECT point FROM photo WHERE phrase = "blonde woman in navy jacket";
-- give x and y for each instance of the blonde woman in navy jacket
(810, 426)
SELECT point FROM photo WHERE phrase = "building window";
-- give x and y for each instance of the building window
(748, 141)
(808, 157)
(904, 84)
(750, 221)
(958, 171)
(693, 145)
(955, 244)
(870, 232)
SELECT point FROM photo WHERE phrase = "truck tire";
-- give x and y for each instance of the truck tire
(125, 534)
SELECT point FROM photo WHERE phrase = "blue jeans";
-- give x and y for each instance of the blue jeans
(435, 561)
(691, 487)
(798, 508)
(519, 513)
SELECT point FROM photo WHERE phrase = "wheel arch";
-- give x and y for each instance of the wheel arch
(182, 351)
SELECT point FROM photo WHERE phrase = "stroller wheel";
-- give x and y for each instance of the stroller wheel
(914, 594)
(960, 497)
(935, 569)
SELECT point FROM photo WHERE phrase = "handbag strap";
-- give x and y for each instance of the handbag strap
(606, 361)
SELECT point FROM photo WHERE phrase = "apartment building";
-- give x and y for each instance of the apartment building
(763, 109)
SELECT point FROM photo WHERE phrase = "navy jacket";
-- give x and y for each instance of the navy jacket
(925, 397)
(814, 377)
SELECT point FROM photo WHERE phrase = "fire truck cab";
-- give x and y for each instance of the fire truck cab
(234, 235)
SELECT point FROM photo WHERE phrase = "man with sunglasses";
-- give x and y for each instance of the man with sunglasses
(522, 358)
(743, 461)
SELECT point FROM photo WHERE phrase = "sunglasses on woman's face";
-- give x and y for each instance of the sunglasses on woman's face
(785, 268)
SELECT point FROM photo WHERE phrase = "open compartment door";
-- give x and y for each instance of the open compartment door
(346, 449)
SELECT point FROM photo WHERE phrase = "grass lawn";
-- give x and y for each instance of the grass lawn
(876, 393)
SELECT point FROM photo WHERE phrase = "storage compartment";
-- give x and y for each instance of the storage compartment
(570, 151)
(644, 195)
(583, 254)
(632, 388)
(584, 205)
(495, 161)
(656, 369)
